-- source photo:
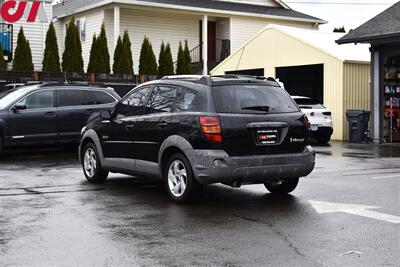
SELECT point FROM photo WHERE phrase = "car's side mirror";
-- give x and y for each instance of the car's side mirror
(105, 114)
(18, 107)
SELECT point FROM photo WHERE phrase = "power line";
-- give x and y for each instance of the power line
(340, 3)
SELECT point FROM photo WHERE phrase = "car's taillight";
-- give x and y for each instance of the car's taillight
(211, 129)
(327, 113)
(307, 122)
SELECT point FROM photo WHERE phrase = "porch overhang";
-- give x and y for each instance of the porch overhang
(191, 9)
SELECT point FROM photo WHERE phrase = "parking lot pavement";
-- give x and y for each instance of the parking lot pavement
(345, 214)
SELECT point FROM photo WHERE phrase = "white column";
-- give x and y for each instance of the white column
(117, 24)
(205, 45)
(376, 107)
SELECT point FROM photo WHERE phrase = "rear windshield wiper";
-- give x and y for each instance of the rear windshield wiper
(259, 108)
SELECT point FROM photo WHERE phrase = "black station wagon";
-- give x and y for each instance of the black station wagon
(198, 130)
(50, 113)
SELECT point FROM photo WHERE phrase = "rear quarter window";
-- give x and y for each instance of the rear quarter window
(189, 100)
(102, 97)
(251, 99)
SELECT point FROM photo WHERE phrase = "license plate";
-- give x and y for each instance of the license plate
(314, 128)
(268, 137)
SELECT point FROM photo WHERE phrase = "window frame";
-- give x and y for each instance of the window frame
(150, 87)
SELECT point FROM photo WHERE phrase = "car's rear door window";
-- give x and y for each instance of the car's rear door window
(73, 97)
(253, 99)
(102, 97)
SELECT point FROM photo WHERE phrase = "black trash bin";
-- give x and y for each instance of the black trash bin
(358, 124)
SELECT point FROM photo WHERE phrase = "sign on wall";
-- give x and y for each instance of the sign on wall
(13, 11)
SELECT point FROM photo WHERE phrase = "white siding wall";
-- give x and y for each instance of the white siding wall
(35, 33)
(242, 28)
(158, 27)
(94, 19)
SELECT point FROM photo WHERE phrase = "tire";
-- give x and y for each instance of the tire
(324, 140)
(282, 188)
(180, 183)
(91, 165)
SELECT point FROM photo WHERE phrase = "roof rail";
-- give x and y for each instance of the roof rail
(49, 84)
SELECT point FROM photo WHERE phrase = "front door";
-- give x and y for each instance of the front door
(212, 40)
(37, 124)
(118, 134)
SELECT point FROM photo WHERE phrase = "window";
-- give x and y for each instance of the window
(161, 100)
(102, 97)
(81, 25)
(72, 97)
(253, 99)
(189, 100)
(134, 103)
(42, 99)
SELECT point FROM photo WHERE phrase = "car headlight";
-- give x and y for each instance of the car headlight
(83, 130)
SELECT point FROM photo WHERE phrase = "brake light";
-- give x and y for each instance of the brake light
(307, 122)
(211, 129)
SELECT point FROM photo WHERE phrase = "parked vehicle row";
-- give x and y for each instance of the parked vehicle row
(49, 113)
(193, 131)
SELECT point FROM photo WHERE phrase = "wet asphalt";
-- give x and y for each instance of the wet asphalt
(50, 216)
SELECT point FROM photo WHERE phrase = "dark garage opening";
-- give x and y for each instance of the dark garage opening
(252, 72)
(307, 80)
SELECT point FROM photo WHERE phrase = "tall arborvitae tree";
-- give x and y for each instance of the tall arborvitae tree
(162, 61)
(3, 63)
(104, 56)
(72, 56)
(23, 54)
(117, 66)
(127, 55)
(181, 63)
(169, 65)
(51, 58)
(147, 61)
(93, 60)
(188, 59)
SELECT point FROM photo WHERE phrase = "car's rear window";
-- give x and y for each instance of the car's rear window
(253, 99)
(308, 103)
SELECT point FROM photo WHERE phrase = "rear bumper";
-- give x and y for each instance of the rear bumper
(250, 169)
(322, 131)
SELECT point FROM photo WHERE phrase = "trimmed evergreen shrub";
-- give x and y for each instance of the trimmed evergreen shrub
(181, 63)
(188, 59)
(3, 63)
(93, 59)
(162, 61)
(117, 67)
(23, 54)
(169, 65)
(127, 55)
(72, 60)
(147, 61)
(103, 56)
(51, 58)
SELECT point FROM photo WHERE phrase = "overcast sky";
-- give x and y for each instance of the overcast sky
(348, 13)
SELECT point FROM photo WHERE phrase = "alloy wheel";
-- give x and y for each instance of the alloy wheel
(89, 162)
(177, 178)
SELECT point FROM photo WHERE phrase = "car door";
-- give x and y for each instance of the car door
(74, 107)
(37, 123)
(151, 129)
(117, 135)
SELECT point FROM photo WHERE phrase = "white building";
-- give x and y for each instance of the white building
(35, 32)
(223, 25)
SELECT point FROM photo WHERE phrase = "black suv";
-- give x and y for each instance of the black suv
(199, 130)
(52, 113)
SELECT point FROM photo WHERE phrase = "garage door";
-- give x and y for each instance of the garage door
(307, 80)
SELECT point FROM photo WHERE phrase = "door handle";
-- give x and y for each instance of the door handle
(163, 124)
(129, 127)
(50, 114)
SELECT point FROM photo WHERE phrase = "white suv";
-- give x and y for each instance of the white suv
(320, 118)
